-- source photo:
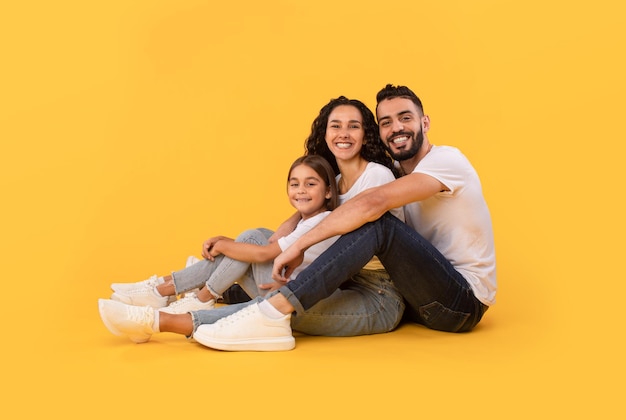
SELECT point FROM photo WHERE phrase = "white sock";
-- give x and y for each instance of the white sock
(269, 311)
(156, 322)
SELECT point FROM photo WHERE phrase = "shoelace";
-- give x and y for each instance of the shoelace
(140, 314)
(147, 287)
(188, 297)
(152, 281)
(244, 313)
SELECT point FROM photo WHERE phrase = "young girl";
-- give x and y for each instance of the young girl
(311, 190)
(248, 261)
(345, 132)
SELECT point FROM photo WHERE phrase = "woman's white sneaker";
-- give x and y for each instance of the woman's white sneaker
(121, 319)
(247, 330)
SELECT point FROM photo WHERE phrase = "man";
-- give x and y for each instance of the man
(442, 260)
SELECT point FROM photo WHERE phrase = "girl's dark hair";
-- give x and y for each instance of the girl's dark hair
(390, 91)
(325, 171)
(373, 149)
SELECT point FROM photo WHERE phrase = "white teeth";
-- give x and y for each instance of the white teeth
(400, 140)
(343, 145)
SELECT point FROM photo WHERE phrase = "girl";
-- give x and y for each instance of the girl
(312, 191)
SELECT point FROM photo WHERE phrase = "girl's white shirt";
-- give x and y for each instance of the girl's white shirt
(314, 251)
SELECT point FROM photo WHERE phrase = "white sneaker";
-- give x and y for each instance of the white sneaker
(153, 281)
(247, 330)
(187, 304)
(135, 322)
(145, 296)
(191, 260)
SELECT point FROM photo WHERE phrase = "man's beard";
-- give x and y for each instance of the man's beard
(406, 154)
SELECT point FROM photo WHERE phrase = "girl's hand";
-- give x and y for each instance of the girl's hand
(208, 248)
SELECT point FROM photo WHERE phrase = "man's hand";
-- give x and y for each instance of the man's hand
(285, 263)
(270, 287)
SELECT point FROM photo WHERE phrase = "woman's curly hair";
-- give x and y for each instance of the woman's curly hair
(373, 149)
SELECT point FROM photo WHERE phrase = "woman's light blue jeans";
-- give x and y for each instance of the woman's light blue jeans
(368, 303)
(436, 295)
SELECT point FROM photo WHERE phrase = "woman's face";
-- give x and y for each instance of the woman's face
(344, 132)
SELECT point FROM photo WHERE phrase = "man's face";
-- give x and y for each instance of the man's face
(400, 127)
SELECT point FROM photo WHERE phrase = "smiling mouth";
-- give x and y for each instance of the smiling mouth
(400, 140)
(343, 145)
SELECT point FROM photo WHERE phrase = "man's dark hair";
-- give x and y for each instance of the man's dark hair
(390, 92)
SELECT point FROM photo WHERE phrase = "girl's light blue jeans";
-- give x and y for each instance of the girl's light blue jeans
(222, 273)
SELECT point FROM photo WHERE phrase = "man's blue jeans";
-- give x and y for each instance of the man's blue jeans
(436, 295)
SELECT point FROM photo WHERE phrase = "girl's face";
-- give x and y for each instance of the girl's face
(307, 191)
(344, 132)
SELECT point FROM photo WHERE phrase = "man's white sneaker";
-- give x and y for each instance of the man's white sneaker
(135, 322)
(153, 281)
(145, 296)
(247, 330)
(187, 304)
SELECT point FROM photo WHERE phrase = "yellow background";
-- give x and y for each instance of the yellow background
(133, 130)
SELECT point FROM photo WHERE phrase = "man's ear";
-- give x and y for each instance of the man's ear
(425, 123)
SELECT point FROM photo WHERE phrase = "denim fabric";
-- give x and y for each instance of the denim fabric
(220, 274)
(368, 303)
(209, 316)
(436, 295)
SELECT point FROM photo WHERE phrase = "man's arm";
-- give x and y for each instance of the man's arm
(365, 207)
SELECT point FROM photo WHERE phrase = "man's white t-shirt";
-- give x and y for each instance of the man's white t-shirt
(457, 222)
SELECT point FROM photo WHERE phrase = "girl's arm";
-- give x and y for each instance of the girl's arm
(208, 244)
(286, 227)
(242, 251)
